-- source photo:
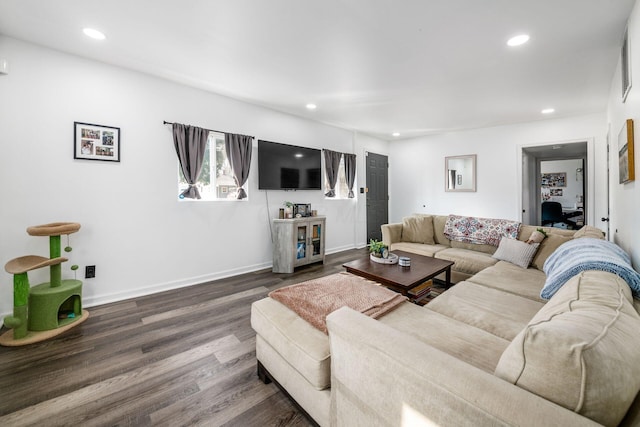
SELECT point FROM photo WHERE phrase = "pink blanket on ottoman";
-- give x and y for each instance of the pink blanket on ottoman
(315, 299)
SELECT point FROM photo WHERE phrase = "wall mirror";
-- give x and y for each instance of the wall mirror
(460, 173)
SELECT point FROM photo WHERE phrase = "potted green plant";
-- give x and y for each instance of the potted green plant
(376, 248)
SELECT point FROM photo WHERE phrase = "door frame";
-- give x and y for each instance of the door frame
(524, 206)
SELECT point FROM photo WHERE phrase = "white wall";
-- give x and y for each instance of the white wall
(625, 198)
(140, 237)
(418, 172)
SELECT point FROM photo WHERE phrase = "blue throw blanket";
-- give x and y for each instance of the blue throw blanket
(583, 254)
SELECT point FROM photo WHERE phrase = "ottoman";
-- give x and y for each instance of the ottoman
(295, 355)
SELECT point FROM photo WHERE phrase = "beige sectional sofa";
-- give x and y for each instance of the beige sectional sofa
(489, 351)
(469, 258)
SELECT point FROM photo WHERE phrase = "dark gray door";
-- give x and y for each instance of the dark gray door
(377, 195)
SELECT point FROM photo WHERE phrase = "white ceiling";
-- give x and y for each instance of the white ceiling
(376, 66)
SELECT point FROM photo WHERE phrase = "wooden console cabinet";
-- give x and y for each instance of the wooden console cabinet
(296, 242)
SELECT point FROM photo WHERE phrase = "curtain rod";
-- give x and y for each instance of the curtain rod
(210, 130)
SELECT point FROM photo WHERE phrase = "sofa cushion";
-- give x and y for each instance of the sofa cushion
(582, 349)
(467, 261)
(476, 247)
(439, 222)
(465, 342)
(547, 247)
(417, 248)
(418, 229)
(516, 252)
(302, 345)
(589, 231)
(510, 278)
(526, 230)
(500, 313)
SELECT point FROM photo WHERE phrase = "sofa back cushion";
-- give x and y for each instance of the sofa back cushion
(582, 349)
(438, 230)
(418, 229)
(589, 231)
(547, 247)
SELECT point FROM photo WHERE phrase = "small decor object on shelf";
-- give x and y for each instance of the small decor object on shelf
(288, 210)
(96, 142)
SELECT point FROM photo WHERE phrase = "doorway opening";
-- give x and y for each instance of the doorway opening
(555, 185)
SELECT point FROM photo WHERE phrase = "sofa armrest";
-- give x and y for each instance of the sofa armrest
(391, 233)
(381, 376)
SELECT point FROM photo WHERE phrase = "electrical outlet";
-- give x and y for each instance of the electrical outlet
(90, 271)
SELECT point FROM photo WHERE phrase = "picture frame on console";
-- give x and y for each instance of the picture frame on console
(302, 209)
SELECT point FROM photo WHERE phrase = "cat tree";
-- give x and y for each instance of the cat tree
(49, 309)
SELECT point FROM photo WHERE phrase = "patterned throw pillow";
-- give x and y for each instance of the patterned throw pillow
(516, 252)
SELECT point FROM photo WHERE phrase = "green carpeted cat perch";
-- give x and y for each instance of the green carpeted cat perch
(48, 309)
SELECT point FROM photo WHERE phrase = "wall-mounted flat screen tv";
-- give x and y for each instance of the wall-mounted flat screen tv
(288, 167)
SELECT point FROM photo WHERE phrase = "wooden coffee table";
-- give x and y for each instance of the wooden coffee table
(401, 279)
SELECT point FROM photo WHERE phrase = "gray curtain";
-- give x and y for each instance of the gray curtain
(332, 163)
(238, 149)
(190, 142)
(350, 172)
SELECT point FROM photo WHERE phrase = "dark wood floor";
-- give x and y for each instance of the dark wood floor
(182, 357)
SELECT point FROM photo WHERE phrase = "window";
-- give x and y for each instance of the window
(342, 189)
(216, 181)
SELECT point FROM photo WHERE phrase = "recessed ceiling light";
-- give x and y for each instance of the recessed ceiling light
(548, 111)
(94, 34)
(518, 40)
(311, 106)
(396, 134)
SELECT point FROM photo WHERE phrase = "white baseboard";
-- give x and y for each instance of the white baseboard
(168, 286)
(92, 301)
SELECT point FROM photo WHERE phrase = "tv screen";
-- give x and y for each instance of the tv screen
(288, 167)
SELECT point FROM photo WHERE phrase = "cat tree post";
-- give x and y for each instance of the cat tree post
(55, 270)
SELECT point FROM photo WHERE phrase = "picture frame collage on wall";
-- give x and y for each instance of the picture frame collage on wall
(554, 179)
(96, 142)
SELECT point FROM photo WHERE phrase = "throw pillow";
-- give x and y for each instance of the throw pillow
(589, 231)
(516, 252)
(418, 229)
(547, 247)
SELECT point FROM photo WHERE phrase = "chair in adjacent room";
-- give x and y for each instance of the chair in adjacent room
(552, 213)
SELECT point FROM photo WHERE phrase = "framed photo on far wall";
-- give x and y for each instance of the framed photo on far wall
(96, 142)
